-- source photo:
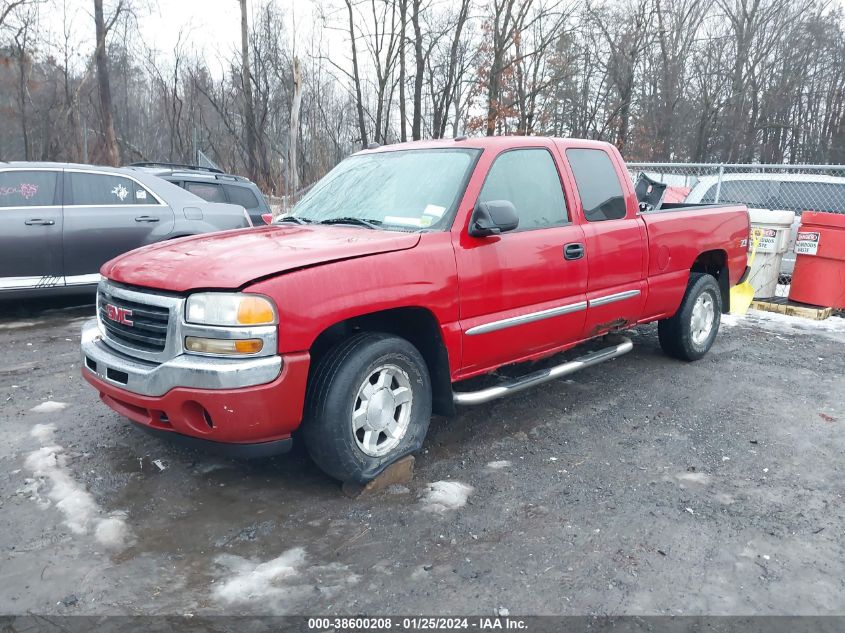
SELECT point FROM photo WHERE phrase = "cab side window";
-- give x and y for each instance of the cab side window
(528, 179)
(598, 184)
(105, 190)
(20, 188)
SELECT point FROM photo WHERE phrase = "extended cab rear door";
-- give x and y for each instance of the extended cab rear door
(615, 238)
(520, 293)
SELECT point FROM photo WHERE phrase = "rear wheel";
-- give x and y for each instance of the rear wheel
(690, 333)
(369, 403)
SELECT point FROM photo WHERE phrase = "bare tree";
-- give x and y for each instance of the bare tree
(246, 81)
(294, 125)
(102, 28)
(356, 75)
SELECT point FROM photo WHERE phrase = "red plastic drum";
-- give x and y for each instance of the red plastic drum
(819, 276)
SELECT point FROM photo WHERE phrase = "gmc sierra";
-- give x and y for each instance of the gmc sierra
(405, 271)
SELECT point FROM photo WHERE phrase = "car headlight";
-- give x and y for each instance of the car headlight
(233, 309)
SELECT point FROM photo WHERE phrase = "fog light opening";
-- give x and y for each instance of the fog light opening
(207, 417)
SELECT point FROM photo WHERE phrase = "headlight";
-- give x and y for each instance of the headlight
(220, 308)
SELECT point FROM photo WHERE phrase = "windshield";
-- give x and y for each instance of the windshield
(401, 190)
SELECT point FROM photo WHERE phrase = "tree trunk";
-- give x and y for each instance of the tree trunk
(403, 12)
(112, 156)
(249, 111)
(294, 127)
(356, 78)
(416, 128)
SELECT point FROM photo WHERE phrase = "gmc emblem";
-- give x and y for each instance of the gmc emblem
(119, 315)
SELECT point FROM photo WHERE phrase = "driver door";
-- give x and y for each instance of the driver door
(523, 292)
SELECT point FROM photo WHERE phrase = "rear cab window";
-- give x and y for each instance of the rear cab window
(598, 184)
(24, 188)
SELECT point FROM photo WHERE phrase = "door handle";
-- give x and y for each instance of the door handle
(575, 250)
(146, 218)
(39, 222)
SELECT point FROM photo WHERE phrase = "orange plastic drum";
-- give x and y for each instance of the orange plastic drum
(819, 276)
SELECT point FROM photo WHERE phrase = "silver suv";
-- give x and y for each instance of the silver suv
(59, 222)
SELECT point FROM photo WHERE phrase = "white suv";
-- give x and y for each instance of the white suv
(775, 191)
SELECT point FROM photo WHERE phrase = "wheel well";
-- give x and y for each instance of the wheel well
(417, 325)
(715, 263)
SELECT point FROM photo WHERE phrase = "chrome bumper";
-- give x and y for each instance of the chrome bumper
(185, 370)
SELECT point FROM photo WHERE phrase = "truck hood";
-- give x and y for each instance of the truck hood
(232, 259)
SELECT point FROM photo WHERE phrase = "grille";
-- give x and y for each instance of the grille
(148, 331)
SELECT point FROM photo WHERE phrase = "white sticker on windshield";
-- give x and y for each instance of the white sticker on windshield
(435, 210)
(140, 194)
(398, 219)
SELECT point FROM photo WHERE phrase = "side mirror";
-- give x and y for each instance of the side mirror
(493, 218)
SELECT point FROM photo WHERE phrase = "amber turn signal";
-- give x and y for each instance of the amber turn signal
(255, 310)
(223, 346)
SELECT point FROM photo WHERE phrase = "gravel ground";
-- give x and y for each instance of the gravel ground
(641, 486)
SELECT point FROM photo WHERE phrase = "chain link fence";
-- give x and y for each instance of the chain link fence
(795, 188)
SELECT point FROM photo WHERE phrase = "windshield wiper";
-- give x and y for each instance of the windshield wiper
(290, 218)
(370, 224)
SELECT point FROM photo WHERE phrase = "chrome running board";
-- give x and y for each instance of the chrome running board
(543, 375)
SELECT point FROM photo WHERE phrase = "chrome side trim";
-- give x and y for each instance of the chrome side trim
(543, 375)
(78, 280)
(619, 296)
(527, 318)
(186, 370)
(47, 281)
(38, 281)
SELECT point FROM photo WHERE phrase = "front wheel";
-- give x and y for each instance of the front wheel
(369, 404)
(690, 332)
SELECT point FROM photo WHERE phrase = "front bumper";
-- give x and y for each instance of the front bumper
(186, 370)
(254, 404)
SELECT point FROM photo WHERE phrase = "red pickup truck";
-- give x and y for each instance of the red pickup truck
(405, 271)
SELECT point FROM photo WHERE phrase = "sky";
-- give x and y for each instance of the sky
(212, 24)
(210, 28)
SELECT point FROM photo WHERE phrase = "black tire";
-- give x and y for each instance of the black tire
(676, 333)
(333, 394)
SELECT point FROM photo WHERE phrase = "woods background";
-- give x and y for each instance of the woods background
(665, 80)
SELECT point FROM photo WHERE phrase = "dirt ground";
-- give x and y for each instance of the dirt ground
(641, 486)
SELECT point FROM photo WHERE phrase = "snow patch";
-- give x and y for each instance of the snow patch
(255, 580)
(446, 495)
(694, 478)
(48, 407)
(112, 532)
(834, 326)
(275, 586)
(81, 512)
(77, 505)
(499, 465)
(14, 325)
(731, 320)
(43, 432)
